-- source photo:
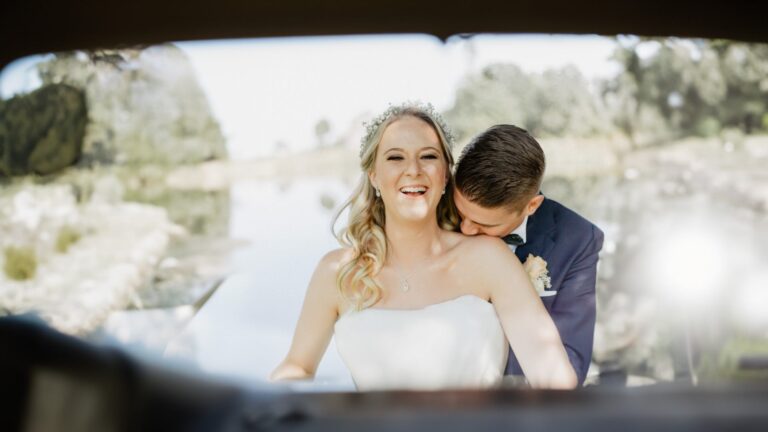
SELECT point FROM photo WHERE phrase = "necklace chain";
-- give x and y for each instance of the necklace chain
(404, 285)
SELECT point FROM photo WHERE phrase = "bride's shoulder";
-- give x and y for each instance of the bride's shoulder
(336, 258)
(482, 245)
(483, 259)
(324, 276)
(480, 251)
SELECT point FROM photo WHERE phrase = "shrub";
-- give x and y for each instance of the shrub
(20, 263)
(707, 127)
(66, 238)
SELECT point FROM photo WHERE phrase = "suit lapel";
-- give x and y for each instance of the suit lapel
(540, 233)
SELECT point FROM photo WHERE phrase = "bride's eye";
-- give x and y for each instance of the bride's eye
(429, 156)
(394, 157)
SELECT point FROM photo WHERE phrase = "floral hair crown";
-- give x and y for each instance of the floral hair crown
(372, 126)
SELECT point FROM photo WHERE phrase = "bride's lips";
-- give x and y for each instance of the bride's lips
(414, 191)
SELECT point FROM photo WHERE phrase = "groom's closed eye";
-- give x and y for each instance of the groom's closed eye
(478, 223)
(486, 225)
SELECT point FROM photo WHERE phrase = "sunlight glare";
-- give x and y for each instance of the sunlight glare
(751, 303)
(690, 268)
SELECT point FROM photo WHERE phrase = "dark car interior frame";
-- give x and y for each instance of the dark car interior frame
(52, 380)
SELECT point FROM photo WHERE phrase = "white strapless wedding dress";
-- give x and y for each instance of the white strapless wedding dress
(458, 343)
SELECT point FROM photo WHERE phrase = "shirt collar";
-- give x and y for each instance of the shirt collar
(522, 229)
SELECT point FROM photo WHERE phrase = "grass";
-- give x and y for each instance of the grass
(725, 364)
(20, 263)
(66, 238)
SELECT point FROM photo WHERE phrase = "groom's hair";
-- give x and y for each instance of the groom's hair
(501, 167)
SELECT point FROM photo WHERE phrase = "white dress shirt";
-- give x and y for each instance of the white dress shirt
(521, 231)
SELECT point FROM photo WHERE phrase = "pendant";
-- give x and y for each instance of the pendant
(404, 285)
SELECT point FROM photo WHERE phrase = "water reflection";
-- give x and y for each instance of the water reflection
(246, 327)
(686, 234)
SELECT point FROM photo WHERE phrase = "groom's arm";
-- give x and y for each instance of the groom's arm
(573, 309)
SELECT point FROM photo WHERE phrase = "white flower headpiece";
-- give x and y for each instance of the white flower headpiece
(372, 126)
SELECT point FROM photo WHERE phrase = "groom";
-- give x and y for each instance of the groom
(498, 180)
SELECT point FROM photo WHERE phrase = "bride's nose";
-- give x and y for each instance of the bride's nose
(413, 167)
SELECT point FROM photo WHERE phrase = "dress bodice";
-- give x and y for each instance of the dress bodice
(458, 343)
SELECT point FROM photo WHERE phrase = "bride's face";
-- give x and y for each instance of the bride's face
(410, 169)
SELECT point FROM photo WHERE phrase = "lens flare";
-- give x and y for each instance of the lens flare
(689, 267)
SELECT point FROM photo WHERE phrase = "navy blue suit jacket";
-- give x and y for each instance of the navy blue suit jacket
(570, 245)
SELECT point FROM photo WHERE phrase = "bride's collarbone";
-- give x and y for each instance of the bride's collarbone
(418, 280)
(422, 292)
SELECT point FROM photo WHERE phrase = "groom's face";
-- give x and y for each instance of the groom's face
(496, 222)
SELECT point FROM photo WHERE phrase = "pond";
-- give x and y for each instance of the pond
(281, 229)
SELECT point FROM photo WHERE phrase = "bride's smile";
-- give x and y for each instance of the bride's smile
(410, 170)
(414, 191)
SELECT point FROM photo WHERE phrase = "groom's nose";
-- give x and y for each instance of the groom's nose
(469, 228)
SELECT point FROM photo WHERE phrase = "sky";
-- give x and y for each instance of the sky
(275, 90)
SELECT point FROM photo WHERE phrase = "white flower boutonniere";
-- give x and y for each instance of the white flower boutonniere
(537, 271)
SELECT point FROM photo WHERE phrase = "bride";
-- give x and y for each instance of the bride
(412, 303)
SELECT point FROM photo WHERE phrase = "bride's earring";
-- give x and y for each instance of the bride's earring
(443, 191)
(378, 193)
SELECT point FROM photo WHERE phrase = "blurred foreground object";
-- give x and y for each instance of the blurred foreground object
(68, 24)
(55, 382)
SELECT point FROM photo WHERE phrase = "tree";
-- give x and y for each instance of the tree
(688, 87)
(557, 102)
(321, 132)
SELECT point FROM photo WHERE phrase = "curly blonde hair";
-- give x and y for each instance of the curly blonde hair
(364, 234)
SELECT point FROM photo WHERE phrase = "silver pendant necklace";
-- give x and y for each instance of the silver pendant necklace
(405, 286)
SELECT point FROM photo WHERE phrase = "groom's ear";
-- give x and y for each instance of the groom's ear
(534, 204)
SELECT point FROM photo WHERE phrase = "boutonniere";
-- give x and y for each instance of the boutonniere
(537, 271)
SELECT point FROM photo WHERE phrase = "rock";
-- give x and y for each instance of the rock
(145, 106)
(33, 215)
(42, 132)
(108, 189)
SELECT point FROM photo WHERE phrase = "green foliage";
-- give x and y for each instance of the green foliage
(725, 365)
(199, 212)
(20, 263)
(694, 86)
(322, 128)
(67, 237)
(42, 132)
(707, 127)
(557, 102)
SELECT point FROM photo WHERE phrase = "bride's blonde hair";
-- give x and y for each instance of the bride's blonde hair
(364, 234)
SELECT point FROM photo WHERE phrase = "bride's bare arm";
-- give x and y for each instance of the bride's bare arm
(529, 328)
(315, 326)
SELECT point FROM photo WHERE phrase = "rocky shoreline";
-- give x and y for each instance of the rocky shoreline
(119, 248)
